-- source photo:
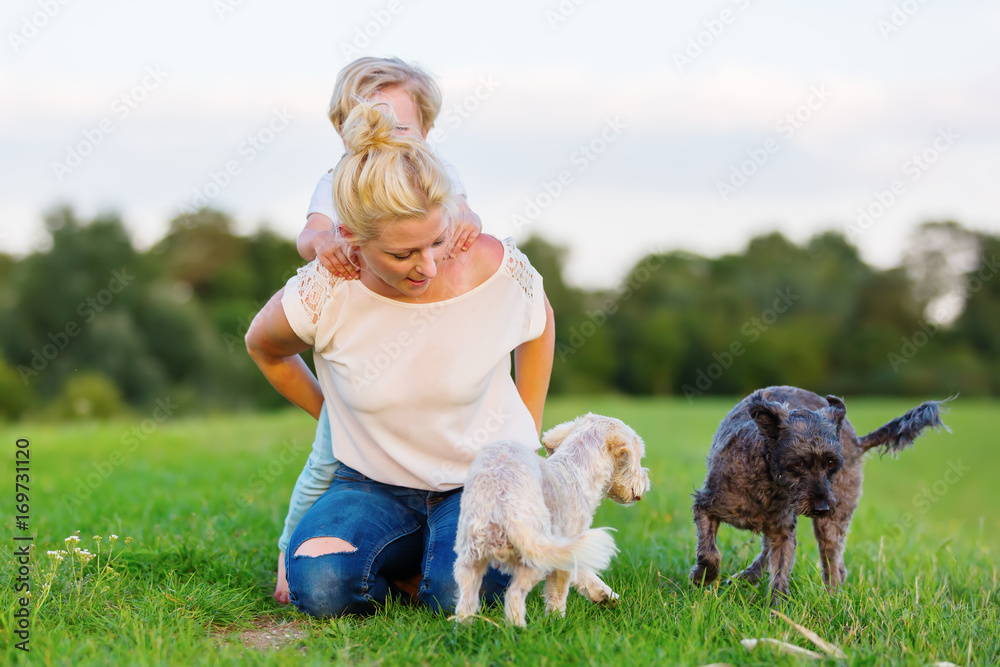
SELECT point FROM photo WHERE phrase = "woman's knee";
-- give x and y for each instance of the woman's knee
(332, 583)
(439, 593)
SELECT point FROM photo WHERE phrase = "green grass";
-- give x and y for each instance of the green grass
(204, 510)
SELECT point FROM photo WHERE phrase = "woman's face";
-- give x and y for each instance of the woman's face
(403, 260)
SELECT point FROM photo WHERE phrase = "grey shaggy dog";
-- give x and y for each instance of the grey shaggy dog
(785, 451)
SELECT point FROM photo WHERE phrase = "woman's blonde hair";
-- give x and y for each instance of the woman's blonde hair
(366, 76)
(384, 177)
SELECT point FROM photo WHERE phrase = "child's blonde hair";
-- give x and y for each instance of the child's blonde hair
(384, 177)
(366, 76)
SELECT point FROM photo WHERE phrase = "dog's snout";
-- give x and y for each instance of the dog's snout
(821, 507)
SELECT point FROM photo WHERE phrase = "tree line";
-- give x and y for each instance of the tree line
(90, 326)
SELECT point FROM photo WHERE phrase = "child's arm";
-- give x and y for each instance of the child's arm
(319, 239)
(468, 226)
(316, 224)
(313, 482)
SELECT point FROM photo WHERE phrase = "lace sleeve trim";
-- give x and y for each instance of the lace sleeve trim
(316, 284)
(519, 268)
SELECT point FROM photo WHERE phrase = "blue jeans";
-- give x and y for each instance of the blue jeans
(398, 533)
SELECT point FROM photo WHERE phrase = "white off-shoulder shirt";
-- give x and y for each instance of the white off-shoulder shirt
(413, 391)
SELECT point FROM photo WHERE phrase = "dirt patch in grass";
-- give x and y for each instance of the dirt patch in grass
(268, 634)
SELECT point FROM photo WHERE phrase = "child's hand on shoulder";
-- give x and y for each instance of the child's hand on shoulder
(334, 253)
(468, 226)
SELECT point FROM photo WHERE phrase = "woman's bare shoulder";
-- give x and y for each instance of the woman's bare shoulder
(482, 260)
(490, 253)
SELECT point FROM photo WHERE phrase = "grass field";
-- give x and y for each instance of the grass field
(203, 501)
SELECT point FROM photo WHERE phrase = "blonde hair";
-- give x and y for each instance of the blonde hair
(366, 76)
(383, 177)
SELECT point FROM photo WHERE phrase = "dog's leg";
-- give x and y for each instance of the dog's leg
(707, 568)
(521, 583)
(831, 531)
(752, 574)
(556, 591)
(469, 577)
(782, 558)
(831, 537)
(593, 588)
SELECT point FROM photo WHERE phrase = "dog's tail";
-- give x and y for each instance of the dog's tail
(592, 549)
(902, 431)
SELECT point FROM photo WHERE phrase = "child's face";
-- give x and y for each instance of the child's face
(404, 108)
(404, 258)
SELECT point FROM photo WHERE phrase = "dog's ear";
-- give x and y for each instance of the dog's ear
(623, 443)
(770, 417)
(836, 412)
(552, 438)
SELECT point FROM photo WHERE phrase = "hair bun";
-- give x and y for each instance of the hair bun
(369, 127)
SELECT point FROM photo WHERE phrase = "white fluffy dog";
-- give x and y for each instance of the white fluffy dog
(530, 516)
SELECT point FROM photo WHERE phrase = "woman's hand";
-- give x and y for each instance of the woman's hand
(281, 588)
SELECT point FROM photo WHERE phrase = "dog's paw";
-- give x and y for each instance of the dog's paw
(609, 600)
(703, 573)
(560, 611)
(779, 598)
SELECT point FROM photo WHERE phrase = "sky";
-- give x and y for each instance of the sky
(613, 128)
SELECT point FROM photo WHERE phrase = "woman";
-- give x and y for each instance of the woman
(413, 362)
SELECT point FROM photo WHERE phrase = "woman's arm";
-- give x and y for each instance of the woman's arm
(274, 347)
(533, 367)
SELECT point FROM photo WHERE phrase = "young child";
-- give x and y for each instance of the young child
(416, 101)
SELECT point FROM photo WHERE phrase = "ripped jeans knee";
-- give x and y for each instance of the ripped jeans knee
(361, 536)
